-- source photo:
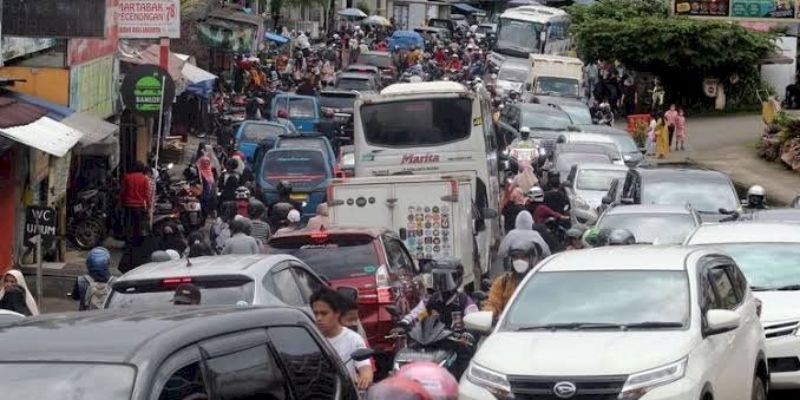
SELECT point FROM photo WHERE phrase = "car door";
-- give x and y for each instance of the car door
(282, 283)
(403, 270)
(307, 281)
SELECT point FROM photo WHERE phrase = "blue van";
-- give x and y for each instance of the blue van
(251, 134)
(309, 142)
(308, 171)
(304, 111)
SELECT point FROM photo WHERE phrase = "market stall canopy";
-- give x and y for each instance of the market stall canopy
(274, 37)
(466, 8)
(352, 13)
(199, 81)
(376, 20)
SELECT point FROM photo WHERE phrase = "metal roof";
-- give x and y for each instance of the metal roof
(45, 134)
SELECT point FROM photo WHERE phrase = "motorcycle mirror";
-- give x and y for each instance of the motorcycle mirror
(362, 354)
(393, 311)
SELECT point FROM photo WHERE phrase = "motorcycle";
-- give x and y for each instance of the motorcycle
(88, 218)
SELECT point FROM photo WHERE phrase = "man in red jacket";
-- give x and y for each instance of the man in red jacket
(136, 200)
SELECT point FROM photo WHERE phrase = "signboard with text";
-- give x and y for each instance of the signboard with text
(738, 9)
(40, 221)
(149, 19)
(144, 87)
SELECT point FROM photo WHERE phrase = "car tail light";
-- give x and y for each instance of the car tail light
(382, 285)
(176, 281)
(320, 235)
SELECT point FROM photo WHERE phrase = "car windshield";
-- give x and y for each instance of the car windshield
(652, 228)
(417, 123)
(57, 381)
(579, 115)
(597, 179)
(766, 265)
(567, 160)
(337, 102)
(518, 36)
(704, 195)
(545, 121)
(301, 108)
(254, 133)
(155, 293)
(551, 86)
(512, 74)
(307, 168)
(625, 143)
(353, 84)
(607, 297)
(380, 61)
(334, 256)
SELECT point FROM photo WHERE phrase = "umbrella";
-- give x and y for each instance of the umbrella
(276, 38)
(376, 20)
(352, 13)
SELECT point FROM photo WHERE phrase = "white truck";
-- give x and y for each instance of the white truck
(556, 76)
(433, 214)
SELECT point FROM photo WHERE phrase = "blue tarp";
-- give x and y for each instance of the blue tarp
(405, 39)
(276, 38)
(464, 7)
(54, 111)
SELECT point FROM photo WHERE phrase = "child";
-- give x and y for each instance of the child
(651, 136)
(680, 130)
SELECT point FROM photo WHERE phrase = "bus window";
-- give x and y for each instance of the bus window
(436, 121)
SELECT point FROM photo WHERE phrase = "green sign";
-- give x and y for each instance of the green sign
(143, 88)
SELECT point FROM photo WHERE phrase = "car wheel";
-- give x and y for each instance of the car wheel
(759, 389)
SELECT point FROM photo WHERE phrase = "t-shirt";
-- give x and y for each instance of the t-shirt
(345, 343)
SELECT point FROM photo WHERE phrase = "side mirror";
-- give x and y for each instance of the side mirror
(340, 174)
(606, 200)
(489, 213)
(348, 292)
(721, 321)
(480, 321)
(362, 354)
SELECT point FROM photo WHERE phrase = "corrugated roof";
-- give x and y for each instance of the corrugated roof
(233, 14)
(15, 113)
(45, 134)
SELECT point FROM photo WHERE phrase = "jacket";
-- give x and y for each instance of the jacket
(135, 190)
(523, 234)
(241, 244)
(502, 289)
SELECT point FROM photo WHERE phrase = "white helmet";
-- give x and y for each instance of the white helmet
(525, 132)
(756, 195)
(242, 193)
(536, 193)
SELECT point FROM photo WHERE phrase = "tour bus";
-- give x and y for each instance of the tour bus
(530, 29)
(433, 128)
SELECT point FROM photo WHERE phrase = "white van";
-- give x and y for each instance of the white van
(530, 29)
(432, 128)
(556, 76)
(433, 214)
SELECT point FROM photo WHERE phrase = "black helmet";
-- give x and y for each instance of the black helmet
(284, 188)
(190, 172)
(447, 275)
(620, 237)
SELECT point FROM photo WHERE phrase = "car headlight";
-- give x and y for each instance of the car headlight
(494, 382)
(626, 157)
(579, 202)
(640, 383)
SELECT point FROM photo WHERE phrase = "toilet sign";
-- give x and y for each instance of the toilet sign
(41, 222)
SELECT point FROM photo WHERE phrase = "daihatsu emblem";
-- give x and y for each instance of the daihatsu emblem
(564, 390)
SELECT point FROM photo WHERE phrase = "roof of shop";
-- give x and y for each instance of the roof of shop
(15, 113)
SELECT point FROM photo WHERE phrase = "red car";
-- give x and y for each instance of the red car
(375, 261)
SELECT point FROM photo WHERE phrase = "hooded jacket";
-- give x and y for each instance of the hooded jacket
(523, 235)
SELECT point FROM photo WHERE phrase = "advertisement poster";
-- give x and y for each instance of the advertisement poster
(706, 8)
(429, 231)
(149, 19)
(763, 8)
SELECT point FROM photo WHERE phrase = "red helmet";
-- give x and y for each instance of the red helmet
(398, 388)
(440, 383)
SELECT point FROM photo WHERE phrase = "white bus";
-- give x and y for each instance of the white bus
(530, 29)
(433, 128)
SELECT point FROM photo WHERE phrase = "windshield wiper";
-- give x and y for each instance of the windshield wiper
(787, 287)
(760, 288)
(654, 324)
(571, 326)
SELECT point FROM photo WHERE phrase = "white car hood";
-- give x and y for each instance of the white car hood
(570, 353)
(778, 306)
(593, 197)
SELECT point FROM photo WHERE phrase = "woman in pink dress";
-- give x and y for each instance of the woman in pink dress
(680, 130)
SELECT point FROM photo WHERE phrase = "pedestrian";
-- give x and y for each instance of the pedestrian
(680, 130)
(14, 299)
(220, 231)
(206, 171)
(198, 246)
(629, 97)
(259, 228)
(671, 117)
(186, 294)
(241, 242)
(91, 289)
(135, 199)
(650, 146)
(15, 277)
(292, 222)
(327, 306)
(320, 220)
(230, 181)
(662, 137)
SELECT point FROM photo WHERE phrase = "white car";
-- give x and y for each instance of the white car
(632, 322)
(587, 184)
(511, 77)
(768, 254)
(652, 223)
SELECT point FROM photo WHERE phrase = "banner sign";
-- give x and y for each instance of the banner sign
(737, 9)
(149, 19)
(142, 90)
(40, 221)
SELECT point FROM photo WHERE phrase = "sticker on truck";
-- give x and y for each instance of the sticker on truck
(429, 231)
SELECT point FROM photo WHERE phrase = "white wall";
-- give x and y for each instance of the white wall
(781, 75)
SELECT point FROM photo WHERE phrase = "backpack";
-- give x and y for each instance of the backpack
(96, 293)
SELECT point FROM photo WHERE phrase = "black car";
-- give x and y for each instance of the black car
(711, 193)
(545, 122)
(630, 151)
(180, 352)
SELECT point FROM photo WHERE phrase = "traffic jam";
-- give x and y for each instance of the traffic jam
(454, 214)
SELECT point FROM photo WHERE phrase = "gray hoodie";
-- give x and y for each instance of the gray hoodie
(522, 236)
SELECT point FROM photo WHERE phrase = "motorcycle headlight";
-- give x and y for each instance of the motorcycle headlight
(494, 382)
(640, 383)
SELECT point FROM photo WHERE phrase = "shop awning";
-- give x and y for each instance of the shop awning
(467, 8)
(45, 134)
(94, 129)
(198, 80)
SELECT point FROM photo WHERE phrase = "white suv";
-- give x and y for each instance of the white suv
(767, 253)
(634, 322)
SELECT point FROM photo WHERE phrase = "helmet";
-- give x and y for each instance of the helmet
(256, 209)
(756, 195)
(620, 237)
(447, 275)
(242, 193)
(98, 257)
(525, 132)
(536, 194)
(398, 388)
(190, 172)
(284, 188)
(437, 381)
(522, 255)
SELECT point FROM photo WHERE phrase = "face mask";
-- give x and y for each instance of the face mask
(520, 266)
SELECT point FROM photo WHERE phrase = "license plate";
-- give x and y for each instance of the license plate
(299, 196)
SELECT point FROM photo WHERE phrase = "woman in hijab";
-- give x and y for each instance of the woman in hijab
(14, 299)
(15, 277)
(206, 171)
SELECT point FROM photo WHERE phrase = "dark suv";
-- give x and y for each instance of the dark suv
(172, 353)
(374, 261)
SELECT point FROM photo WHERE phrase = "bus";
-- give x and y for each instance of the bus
(436, 127)
(530, 29)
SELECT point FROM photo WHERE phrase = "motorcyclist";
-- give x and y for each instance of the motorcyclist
(523, 231)
(620, 237)
(447, 302)
(575, 239)
(398, 388)
(519, 257)
(756, 198)
(242, 201)
(542, 212)
(524, 140)
(279, 210)
(454, 64)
